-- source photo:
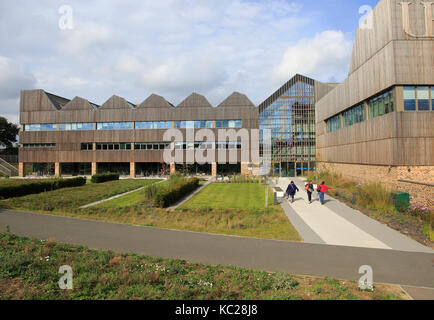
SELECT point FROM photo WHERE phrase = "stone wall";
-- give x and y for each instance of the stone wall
(391, 176)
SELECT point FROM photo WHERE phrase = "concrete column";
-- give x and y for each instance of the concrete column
(57, 170)
(132, 170)
(245, 169)
(94, 168)
(21, 172)
(172, 168)
(214, 169)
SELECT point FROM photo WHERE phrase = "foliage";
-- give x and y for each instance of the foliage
(104, 177)
(8, 133)
(244, 179)
(19, 190)
(177, 190)
(33, 266)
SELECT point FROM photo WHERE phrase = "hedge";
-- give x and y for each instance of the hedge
(104, 177)
(168, 196)
(13, 191)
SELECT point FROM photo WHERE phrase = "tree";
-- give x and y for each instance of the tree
(8, 133)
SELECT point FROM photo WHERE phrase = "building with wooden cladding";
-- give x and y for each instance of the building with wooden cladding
(378, 124)
(60, 136)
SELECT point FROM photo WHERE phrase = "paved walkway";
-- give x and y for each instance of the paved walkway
(389, 266)
(337, 224)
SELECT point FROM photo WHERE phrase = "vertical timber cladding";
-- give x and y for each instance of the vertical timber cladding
(396, 147)
(290, 115)
(40, 107)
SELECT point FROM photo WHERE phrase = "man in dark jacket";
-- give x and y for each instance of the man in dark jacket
(291, 190)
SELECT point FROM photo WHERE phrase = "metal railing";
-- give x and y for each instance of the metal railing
(7, 168)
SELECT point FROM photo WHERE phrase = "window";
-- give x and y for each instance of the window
(40, 127)
(87, 146)
(114, 125)
(113, 146)
(228, 124)
(153, 125)
(334, 123)
(380, 105)
(432, 98)
(423, 98)
(354, 115)
(409, 98)
(38, 145)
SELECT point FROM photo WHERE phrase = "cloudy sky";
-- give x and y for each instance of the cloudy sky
(133, 48)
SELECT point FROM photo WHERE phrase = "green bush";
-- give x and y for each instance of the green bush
(3, 175)
(244, 179)
(175, 192)
(104, 177)
(13, 191)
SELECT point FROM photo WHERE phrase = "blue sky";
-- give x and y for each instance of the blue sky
(133, 48)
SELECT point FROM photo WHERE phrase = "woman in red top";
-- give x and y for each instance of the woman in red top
(322, 191)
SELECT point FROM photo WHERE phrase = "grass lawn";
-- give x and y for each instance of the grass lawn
(69, 199)
(230, 196)
(29, 270)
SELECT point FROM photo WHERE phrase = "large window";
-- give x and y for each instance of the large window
(154, 125)
(76, 126)
(432, 98)
(410, 98)
(334, 123)
(354, 115)
(381, 104)
(114, 125)
(40, 127)
(87, 146)
(423, 98)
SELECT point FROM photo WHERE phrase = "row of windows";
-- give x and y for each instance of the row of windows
(153, 125)
(137, 125)
(378, 105)
(381, 104)
(40, 127)
(76, 126)
(354, 115)
(418, 98)
(161, 146)
(39, 145)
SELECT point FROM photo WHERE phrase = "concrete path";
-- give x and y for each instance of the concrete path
(389, 266)
(337, 224)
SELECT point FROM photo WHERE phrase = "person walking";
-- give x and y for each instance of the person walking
(309, 189)
(291, 190)
(322, 190)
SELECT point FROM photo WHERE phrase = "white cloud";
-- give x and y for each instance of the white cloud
(13, 78)
(324, 57)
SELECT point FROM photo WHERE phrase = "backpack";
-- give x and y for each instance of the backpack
(318, 189)
(307, 187)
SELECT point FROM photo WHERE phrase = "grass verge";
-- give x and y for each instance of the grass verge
(69, 199)
(29, 270)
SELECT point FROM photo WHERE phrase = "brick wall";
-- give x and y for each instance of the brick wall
(390, 176)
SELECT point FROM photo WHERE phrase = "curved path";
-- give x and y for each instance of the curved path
(341, 262)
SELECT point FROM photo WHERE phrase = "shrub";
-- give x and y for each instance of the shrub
(12, 191)
(244, 179)
(104, 177)
(167, 196)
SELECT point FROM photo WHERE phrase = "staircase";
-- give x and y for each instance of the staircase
(7, 168)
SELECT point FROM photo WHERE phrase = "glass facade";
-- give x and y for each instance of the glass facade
(290, 115)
